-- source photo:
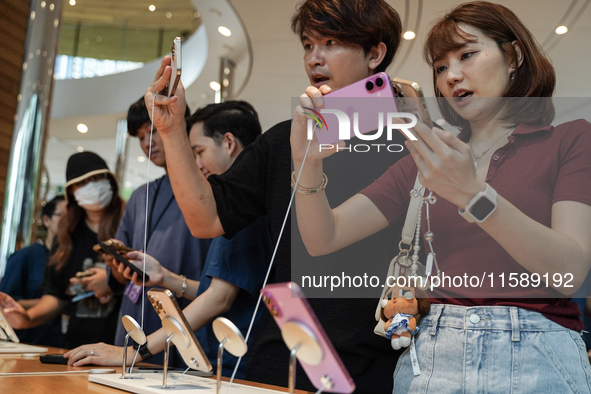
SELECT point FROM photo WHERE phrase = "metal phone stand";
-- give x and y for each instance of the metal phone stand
(177, 334)
(305, 347)
(231, 339)
(136, 333)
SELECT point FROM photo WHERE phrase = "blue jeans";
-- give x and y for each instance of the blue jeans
(494, 350)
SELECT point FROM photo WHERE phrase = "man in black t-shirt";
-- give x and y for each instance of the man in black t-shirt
(343, 42)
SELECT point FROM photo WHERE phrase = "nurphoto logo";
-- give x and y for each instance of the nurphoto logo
(367, 129)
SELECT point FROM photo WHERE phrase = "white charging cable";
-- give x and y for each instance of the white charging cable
(270, 263)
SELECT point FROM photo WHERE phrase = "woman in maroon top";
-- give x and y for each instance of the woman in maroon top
(514, 201)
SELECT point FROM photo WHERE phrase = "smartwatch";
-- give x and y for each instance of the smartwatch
(481, 206)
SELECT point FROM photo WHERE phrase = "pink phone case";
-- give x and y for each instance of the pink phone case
(368, 98)
(286, 302)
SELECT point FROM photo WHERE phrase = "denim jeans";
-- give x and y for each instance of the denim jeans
(494, 350)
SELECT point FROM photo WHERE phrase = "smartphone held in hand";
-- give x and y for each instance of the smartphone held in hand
(176, 66)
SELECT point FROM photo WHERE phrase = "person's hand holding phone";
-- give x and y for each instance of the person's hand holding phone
(167, 113)
(310, 101)
(155, 272)
(98, 283)
(445, 164)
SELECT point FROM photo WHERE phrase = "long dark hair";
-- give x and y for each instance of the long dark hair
(74, 214)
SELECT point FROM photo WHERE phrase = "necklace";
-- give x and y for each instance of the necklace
(478, 157)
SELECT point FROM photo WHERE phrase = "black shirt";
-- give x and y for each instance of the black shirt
(90, 321)
(258, 183)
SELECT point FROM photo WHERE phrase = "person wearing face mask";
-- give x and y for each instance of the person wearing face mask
(92, 215)
(234, 269)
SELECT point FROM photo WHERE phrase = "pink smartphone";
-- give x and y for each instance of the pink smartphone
(286, 302)
(357, 106)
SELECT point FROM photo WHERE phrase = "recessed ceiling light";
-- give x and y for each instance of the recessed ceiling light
(82, 128)
(214, 85)
(224, 31)
(440, 121)
(561, 30)
(127, 184)
(72, 2)
(80, 149)
(141, 159)
(409, 35)
(152, 7)
(169, 15)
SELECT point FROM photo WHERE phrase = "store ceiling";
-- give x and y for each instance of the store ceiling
(278, 74)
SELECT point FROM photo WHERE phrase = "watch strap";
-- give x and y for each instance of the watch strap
(143, 351)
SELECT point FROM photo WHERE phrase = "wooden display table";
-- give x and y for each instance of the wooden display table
(69, 382)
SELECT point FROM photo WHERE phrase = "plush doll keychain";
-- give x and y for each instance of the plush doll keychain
(401, 314)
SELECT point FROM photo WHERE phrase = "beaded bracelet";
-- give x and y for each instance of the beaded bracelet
(305, 190)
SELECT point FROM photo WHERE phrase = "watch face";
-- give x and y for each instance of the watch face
(482, 208)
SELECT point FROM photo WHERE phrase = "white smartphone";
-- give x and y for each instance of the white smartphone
(176, 66)
(168, 309)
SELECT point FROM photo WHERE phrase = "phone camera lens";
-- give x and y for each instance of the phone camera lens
(369, 86)
(379, 82)
(274, 311)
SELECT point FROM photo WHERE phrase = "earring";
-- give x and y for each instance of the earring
(512, 73)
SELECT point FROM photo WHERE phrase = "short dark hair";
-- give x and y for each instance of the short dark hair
(137, 116)
(359, 22)
(48, 208)
(534, 78)
(236, 117)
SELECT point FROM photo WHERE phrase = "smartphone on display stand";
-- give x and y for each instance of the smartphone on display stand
(286, 303)
(165, 305)
(176, 67)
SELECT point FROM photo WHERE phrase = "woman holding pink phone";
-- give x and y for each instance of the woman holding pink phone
(513, 197)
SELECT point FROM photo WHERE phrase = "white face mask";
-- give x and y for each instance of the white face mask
(94, 196)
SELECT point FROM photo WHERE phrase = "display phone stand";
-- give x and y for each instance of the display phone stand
(136, 333)
(177, 335)
(305, 347)
(231, 339)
